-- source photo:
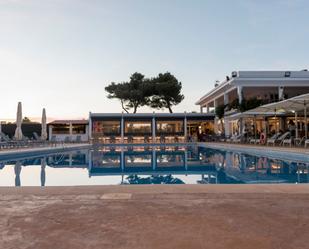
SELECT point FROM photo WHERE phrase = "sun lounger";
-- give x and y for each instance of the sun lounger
(236, 139)
(279, 139)
(299, 141)
(254, 141)
(306, 143)
(287, 141)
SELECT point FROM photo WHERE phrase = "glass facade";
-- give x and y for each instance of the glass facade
(78, 129)
(61, 129)
(137, 127)
(106, 127)
(170, 127)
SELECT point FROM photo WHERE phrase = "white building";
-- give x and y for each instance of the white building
(264, 86)
(69, 130)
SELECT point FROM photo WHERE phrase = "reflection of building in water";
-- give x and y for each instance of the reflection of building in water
(257, 169)
(155, 161)
(168, 164)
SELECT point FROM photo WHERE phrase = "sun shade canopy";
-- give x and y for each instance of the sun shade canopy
(292, 105)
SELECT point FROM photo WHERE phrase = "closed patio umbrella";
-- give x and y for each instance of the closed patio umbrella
(43, 173)
(44, 126)
(19, 119)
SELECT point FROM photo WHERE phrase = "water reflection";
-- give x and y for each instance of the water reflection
(159, 165)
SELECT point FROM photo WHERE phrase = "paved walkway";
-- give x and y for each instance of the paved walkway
(280, 152)
(29, 151)
(164, 216)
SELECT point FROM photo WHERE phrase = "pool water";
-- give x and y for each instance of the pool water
(115, 165)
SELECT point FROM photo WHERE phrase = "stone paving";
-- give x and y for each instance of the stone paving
(164, 216)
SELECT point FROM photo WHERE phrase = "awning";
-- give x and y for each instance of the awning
(292, 105)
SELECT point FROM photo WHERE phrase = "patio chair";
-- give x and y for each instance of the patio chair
(162, 139)
(67, 139)
(176, 139)
(78, 139)
(130, 139)
(146, 139)
(112, 139)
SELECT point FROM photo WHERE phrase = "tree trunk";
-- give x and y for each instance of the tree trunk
(124, 107)
(135, 109)
(170, 109)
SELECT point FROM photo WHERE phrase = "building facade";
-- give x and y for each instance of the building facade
(149, 127)
(255, 86)
(69, 130)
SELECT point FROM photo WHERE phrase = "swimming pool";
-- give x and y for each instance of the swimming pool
(112, 165)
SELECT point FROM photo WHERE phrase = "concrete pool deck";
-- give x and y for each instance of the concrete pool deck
(33, 151)
(279, 152)
(161, 216)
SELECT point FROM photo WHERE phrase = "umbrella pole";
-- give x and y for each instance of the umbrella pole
(255, 128)
(296, 128)
(306, 121)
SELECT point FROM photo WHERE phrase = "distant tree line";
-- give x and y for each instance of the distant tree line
(162, 91)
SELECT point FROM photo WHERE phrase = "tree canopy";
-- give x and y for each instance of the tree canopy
(166, 92)
(132, 94)
(163, 91)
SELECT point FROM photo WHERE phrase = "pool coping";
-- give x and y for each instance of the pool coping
(283, 153)
(38, 151)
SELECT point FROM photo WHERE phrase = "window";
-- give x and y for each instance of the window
(78, 129)
(106, 127)
(61, 129)
(137, 127)
(170, 127)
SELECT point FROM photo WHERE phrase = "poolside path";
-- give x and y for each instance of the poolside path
(284, 153)
(164, 216)
(38, 150)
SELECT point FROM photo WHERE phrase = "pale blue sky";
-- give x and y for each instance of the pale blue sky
(60, 54)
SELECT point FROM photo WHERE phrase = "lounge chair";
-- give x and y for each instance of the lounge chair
(278, 140)
(306, 143)
(236, 139)
(273, 139)
(78, 139)
(254, 140)
(299, 142)
(67, 139)
(287, 141)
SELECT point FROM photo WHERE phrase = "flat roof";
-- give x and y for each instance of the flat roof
(68, 121)
(259, 78)
(151, 115)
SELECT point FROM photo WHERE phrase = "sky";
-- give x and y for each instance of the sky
(60, 54)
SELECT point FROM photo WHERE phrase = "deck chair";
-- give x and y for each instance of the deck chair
(78, 139)
(287, 141)
(237, 139)
(300, 141)
(67, 139)
(280, 139)
(272, 140)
